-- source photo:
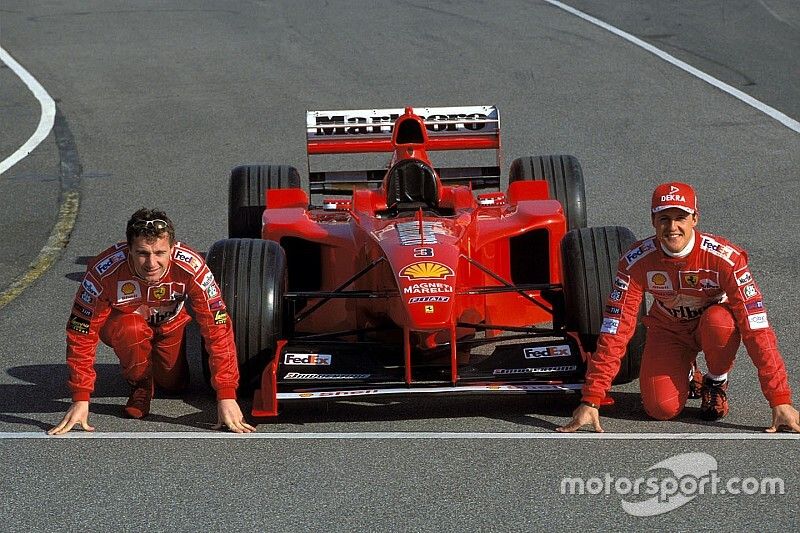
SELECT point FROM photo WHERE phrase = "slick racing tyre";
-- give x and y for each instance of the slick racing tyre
(251, 274)
(246, 201)
(564, 179)
(589, 259)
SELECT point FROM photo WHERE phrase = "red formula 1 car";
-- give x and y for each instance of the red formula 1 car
(414, 282)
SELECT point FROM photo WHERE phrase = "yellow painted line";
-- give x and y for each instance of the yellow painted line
(57, 241)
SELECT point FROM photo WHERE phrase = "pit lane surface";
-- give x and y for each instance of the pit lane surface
(160, 99)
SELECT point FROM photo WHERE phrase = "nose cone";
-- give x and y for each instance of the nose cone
(424, 257)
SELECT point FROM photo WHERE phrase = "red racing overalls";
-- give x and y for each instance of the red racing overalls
(143, 322)
(706, 301)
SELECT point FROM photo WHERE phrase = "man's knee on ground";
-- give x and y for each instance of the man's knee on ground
(662, 409)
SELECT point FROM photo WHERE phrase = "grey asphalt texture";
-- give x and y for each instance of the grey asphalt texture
(161, 99)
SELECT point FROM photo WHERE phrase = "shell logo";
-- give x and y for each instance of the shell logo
(426, 270)
(659, 279)
(128, 288)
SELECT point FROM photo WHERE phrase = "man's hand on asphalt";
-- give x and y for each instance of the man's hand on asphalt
(784, 416)
(581, 416)
(229, 415)
(78, 413)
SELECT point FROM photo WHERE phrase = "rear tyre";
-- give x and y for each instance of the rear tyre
(251, 274)
(246, 201)
(589, 259)
(564, 178)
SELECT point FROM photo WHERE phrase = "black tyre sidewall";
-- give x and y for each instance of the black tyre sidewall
(564, 178)
(252, 277)
(246, 200)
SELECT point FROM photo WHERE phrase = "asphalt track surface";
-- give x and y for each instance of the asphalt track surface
(157, 100)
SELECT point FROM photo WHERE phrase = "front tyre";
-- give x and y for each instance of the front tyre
(589, 258)
(251, 274)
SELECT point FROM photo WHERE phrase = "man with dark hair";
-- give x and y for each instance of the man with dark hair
(132, 298)
(705, 299)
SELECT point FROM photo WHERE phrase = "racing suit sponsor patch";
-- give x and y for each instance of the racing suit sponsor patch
(617, 295)
(622, 281)
(743, 276)
(658, 280)
(640, 251)
(82, 310)
(758, 321)
(206, 280)
(212, 291)
(309, 359)
(611, 310)
(87, 298)
(90, 286)
(166, 292)
(105, 265)
(755, 306)
(717, 248)
(216, 304)
(610, 325)
(128, 290)
(220, 317)
(161, 315)
(698, 279)
(749, 291)
(78, 324)
(189, 259)
(535, 352)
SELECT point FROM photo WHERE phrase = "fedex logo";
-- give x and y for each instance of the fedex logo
(561, 350)
(721, 250)
(637, 253)
(309, 359)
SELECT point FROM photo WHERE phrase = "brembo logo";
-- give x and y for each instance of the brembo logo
(339, 125)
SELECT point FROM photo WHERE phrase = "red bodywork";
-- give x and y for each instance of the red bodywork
(441, 271)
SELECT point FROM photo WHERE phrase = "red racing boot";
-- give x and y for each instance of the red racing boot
(138, 405)
(715, 399)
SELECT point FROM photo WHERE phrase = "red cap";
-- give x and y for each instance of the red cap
(674, 194)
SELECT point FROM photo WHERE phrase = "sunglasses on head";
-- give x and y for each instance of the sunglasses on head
(156, 224)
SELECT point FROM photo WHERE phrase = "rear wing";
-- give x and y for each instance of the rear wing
(359, 131)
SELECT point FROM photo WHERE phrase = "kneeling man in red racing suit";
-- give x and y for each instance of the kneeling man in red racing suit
(132, 298)
(705, 299)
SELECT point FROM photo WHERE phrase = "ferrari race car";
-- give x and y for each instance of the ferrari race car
(414, 277)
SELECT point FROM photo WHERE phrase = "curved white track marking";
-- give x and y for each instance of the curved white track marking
(45, 121)
(787, 121)
(405, 435)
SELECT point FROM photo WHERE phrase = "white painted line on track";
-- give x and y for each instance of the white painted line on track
(787, 121)
(45, 121)
(404, 435)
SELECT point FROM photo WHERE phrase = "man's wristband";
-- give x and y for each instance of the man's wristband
(590, 404)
